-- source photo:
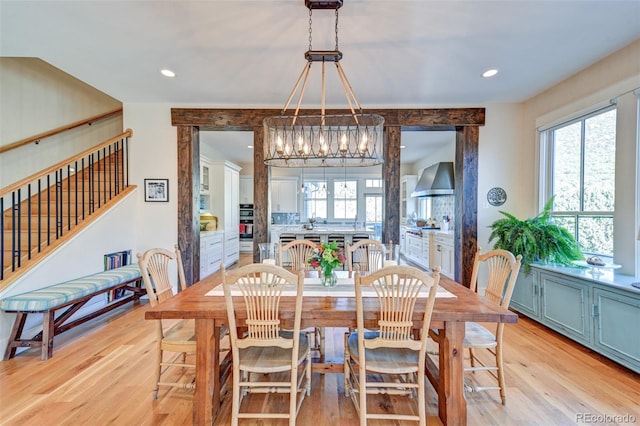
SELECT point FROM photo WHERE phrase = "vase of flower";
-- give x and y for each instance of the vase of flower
(329, 278)
(326, 258)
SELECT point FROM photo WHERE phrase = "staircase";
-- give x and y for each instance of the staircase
(42, 211)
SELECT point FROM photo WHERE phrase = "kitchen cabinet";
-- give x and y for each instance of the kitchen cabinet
(246, 189)
(442, 253)
(414, 248)
(205, 182)
(284, 195)
(403, 240)
(225, 185)
(407, 203)
(601, 316)
(211, 248)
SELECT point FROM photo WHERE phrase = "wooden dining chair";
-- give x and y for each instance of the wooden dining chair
(178, 338)
(266, 350)
(496, 272)
(295, 254)
(365, 255)
(391, 352)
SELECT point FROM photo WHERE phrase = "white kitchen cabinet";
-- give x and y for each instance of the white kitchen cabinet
(284, 195)
(442, 253)
(225, 201)
(246, 189)
(407, 203)
(211, 248)
(403, 240)
(414, 248)
(205, 182)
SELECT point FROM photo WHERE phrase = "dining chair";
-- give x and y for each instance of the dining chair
(391, 352)
(178, 338)
(496, 272)
(365, 255)
(265, 349)
(294, 256)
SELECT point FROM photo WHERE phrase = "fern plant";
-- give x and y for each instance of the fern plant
(537, 239)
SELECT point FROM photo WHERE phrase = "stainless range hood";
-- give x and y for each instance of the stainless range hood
(435, 180)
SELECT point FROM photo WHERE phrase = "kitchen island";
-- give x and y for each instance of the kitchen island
(323, 232)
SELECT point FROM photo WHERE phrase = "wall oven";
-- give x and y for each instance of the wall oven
(246, 228)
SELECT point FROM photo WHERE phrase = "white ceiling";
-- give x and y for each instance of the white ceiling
(397, 53)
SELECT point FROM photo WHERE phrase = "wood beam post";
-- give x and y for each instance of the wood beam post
(391, 178)
(188, 203)
(466, 202)
(261, 204)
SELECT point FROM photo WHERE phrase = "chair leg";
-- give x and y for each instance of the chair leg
(347, 388)
(472, 358)
(159, 355)
(503, 391)
(308, 370)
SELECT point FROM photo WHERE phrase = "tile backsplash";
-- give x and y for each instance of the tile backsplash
(443, 206)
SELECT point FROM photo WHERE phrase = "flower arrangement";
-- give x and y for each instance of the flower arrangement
(327, 257)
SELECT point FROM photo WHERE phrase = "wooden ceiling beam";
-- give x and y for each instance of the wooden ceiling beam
(409, 119)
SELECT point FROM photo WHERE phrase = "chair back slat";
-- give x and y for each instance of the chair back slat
(397, 289)
(502, 269)
(154, 267)
(366, 255)
(261, 287)
(295, 254)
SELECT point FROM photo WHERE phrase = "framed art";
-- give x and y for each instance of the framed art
(156, 190)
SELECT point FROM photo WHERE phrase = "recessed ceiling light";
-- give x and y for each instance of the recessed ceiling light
(168, 73)
(490, 73)
(250, 146)
(403, 146)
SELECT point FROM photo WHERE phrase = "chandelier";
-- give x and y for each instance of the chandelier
(323, 140)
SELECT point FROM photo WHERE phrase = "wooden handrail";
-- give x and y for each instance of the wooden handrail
(51, 169)
(59, 130)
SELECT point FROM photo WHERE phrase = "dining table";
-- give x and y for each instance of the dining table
(203, 301)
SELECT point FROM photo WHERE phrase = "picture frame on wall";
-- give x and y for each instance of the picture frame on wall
(156, 190)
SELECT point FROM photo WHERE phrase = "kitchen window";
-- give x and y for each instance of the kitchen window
(345, 199)
(315, 199)
(580, 172)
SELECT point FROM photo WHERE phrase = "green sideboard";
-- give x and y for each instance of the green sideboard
(602, 313)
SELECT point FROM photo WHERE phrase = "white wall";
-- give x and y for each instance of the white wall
(154, 153)
(37, 97)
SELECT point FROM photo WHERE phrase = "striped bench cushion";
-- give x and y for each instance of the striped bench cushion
(59, 294)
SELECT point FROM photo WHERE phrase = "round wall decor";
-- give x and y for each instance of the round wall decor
(496, 196)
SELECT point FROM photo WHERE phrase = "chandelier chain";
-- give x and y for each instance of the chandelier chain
(310, 25)
(337, 30)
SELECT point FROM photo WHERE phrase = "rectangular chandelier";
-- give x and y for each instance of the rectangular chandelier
(323, 140)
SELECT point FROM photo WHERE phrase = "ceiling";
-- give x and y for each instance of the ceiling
(240, 53)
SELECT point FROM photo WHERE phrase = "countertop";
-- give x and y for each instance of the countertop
(608, 277)
(321, 230)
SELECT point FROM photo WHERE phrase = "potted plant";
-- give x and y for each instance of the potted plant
(537, 239)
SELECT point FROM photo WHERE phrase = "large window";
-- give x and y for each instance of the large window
(315, 199)
(345, 199)
(581, 171)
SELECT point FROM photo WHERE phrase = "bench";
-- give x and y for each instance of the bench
(71, 295)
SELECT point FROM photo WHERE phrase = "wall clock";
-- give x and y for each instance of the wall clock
(496, 196)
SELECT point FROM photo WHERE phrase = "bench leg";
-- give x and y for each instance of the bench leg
(48, 323)
(16, 332)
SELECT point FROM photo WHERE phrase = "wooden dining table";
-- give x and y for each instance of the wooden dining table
(449, 317)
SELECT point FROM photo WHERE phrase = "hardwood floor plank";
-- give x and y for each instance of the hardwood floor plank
(102, 373)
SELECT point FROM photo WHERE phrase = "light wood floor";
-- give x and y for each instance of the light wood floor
(101, 373)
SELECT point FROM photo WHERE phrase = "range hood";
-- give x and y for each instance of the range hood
(435, 180)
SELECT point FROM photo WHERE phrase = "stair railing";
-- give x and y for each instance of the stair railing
(43, 207)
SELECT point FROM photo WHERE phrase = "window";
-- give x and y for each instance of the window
(315, 199)
(345, 199)
(581, 171)
(373, 183)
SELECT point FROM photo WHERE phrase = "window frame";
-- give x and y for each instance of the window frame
(547, 141)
